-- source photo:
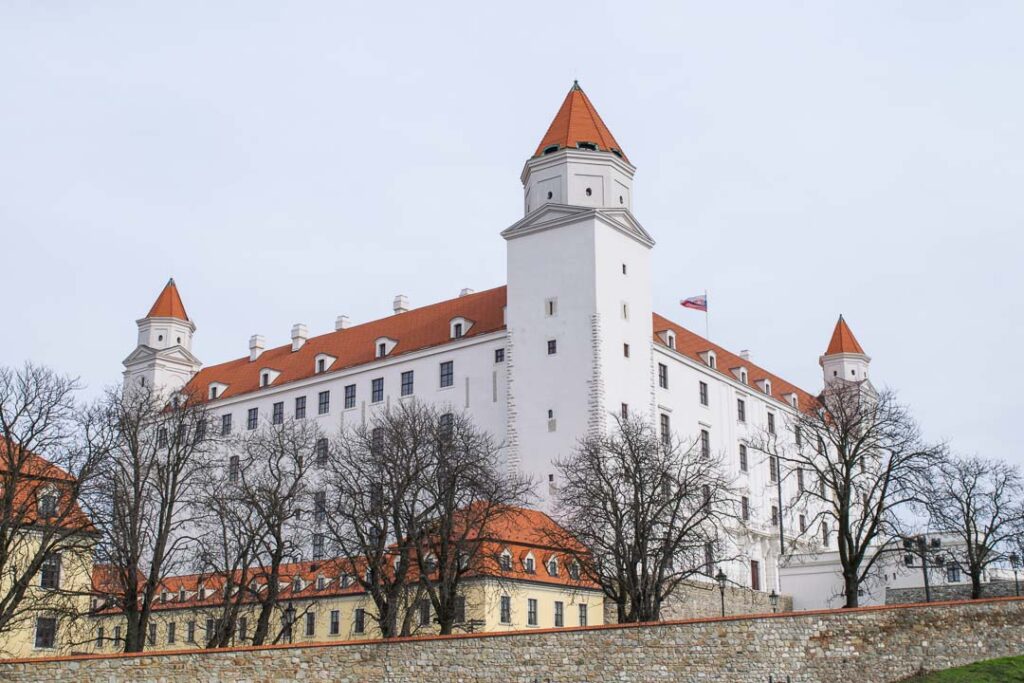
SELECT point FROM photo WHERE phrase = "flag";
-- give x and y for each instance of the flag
(699, 302)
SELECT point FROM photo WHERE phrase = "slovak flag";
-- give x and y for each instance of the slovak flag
(699, 302)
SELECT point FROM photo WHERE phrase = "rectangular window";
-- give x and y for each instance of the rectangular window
(800, 480)
(46, 632)
(243, 629)
(319, 506)
(377, 390)
(225, 425)
(499, 355)
(191, 631)
(171, 628)
(771, 423)
(360, 620)
(234, 469)
(803, 523)
(624, 411)
(252, 418)
(775, 515)
(559, 614)
(321, 451)
(407, 383)
(824, 534)
(350, 396)
(323, 403)
(460, 609)
(583, 614)
(798, 435)
(743, 457)
(335, 622)
(99, 636)
(117, 635)
(447, 373)
(151, 636)
(278, 415)
(662, 375)
(741, 410)
(625, 350)
(531, 612)
(300, 407)
(745, 508)
(552, 347)
(705, 443)
(310, 623)
(321, 364)
(666, 429)
(550, 307)
(506, 609)
(49, 573)
(755, 575)
(773, 468)
(703, 393)
(424, 613)
(952, 574)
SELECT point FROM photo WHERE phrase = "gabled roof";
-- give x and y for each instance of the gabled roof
(168, 304)
(843, 340)
(577, 121)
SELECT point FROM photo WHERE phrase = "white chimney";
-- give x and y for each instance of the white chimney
(745, 354)
(299, 336)
(465, 291)
(401, 303)
(342, 322)
(256, 346)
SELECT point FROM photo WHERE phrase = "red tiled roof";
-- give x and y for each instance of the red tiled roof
(32, 476)
(168, 304)
(578, 121)
(692, 345)
(416, 329)
(843, 340)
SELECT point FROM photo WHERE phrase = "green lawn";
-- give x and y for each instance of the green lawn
(1006, 670)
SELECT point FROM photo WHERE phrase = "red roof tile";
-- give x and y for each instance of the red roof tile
(843, 340)
(577, 121)
(168, 304)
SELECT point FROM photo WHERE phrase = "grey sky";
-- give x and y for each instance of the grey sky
(289, 162)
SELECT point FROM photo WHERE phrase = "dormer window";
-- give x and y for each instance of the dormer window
(574, 571)
(48, 503)
(589, 146)
(213, 392)
(268, 376)
(550, 149)
(506, 561)
(458, 327)
(670, 339)
(202, 592)
(384, 345)
(382, 350)
(181, 594)
(264, 379)
(298, 585)
(322, 363)
(529, 565)
(553, 567)
(709, 358)
(740, 373)
(743, 376)
(321, 583)
(457, 331)
(217, 389)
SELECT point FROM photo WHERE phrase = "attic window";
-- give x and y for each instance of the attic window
(457, 331)
(670, 338)
(213, 392)
(587, 145)
(265, 379)
(382, 350)
(320, 364)
(617, 152)
(529, 566)
(550, 149)
(743, 376)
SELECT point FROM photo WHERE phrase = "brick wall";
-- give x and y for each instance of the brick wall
(700, 600)
(869, 645)
(995, 589)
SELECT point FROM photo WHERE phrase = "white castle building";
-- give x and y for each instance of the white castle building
(570, 341)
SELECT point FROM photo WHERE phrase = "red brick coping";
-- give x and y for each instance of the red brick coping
(510, 634)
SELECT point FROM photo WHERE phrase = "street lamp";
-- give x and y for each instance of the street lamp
(773, 597)
(289, 621)
(721, 579)
(1015, 563)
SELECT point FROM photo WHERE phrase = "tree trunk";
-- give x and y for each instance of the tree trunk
(851, 587)
(975, 585)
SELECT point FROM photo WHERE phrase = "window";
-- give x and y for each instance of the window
(407, 383)
(775, 515)
(360, 620)
(705, 443)
(771, 423)
(798, 435)
(773, 468)
(447, 373)
(743, 457)
(151, 636)
(171, 628)
(318, 546)
(181, 594)
(460, 609)
(319, 506)
(671, 337)
(252, 418)
(117, 635)
(624, 410)
(46, 632)
(310, 623)
(625, 350)
(803, 523)
(335, 622)
(446, 425)
(300, 407)
(234, 469)
(506, 561)
(506, 609)
(624, 270)
(745, 508)
(800, 480)
(323, 403)
(320, 365)
(287, 623)
(583, 614)
(552, 347)
(99, 636)
(574, 571)
(382, 350)
(499, 355)
(377, 390)
(376, 440)
(278, 415)
(550, 307)
(49, 573)
(243, 629)
(528, 565)
(703, 393)
(321, 451)
(552, 567)
(225, 425)
(424, 612)
(625, 311)
(755, 575)
(952, 574)
(191, 632)
(531, 612)
(741, 410)
(559, 614)
(662, 375)
(457, 330)
(213, 392)
(350, 396)
(824, 534)
(666, 429)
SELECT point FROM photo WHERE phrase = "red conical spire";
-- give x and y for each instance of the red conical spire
(168, 304)
(843, 340)
(577, 121)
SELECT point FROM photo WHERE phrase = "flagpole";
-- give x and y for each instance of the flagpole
(707, 324)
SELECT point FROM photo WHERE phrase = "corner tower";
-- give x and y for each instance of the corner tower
(844, 359)
(162, 359)
(579, 294)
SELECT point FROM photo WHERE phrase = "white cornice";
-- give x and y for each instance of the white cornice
(564, 214)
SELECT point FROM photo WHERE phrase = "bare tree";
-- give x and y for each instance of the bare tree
(860, 454)
(148, 482)
(49, 454)
(646, 508)
(978, 502)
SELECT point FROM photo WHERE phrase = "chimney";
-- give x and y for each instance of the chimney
(299, 336)
(401, 303)
(342, 322)
(256, 346)
(466, 291)
(745, 354)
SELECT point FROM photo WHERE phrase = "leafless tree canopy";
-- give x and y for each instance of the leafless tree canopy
(648, 510)
(980, 503)
(861, 454)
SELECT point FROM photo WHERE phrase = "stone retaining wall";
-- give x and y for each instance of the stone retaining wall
(868, 645)
(702, 600)
(995, 589)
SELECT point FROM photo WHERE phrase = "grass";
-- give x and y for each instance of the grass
(1005, 670)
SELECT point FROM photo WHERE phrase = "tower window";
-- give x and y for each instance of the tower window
(550, 194)
(552, 347)
(624, 411)
(589, 192)
(551, 307)
(550, 149)
(625, 350)
(160, 337)
(179, 340)
(621, 200)
(624, 269)
(590, 146)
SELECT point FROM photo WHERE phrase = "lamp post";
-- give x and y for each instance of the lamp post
(773, 597)
(721, 578)
(1015, 563)
(289, 621)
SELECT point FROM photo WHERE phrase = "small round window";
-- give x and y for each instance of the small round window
(160, 337)
(589, 192)
(550, 195)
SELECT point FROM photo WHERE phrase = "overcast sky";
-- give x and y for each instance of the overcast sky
(289, 162)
